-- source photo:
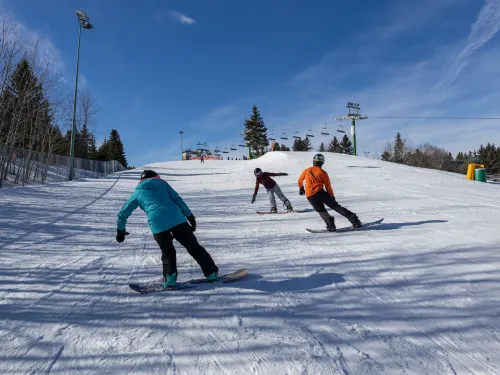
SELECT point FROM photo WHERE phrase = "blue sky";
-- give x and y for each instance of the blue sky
(158, 67)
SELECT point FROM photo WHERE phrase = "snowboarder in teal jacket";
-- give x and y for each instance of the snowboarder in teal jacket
(166, 213)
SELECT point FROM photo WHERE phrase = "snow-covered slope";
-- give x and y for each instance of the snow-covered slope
(417, 294)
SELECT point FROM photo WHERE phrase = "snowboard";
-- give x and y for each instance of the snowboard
(155, 286)
(346, 229)
(284, 212)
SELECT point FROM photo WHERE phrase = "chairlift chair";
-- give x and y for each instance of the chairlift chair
(310, 133)
(271, 136)
(233, 147)
(324, 131)
(340, 129)
(296, 135)
(283, 135)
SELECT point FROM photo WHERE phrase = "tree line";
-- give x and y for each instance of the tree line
(36, 114)
(429, 156)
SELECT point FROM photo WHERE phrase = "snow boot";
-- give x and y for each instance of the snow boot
(274, 210)
(329, 221)
(170, 281)
(213, 277)
(356, 223)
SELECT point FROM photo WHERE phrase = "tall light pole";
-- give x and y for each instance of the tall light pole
(83, 22)
(353, 116)
(182, 148)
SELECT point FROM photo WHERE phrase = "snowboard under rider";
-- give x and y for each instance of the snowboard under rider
(167, 213)
(272, 188)
(316, 179)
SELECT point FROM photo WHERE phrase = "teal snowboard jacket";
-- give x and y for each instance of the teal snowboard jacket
(164, 208)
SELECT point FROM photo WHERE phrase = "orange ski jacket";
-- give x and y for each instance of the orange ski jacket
(315, 178)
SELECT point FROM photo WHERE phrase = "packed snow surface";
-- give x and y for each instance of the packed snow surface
(417, 294)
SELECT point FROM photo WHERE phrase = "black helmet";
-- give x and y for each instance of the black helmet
(257, 171)
(148, 174)
(318, 160)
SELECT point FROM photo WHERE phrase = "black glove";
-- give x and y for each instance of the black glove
(302, 191)
(192, 221)
(120, 235)
(253, 198)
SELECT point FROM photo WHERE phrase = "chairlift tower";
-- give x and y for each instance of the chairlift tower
(353, 115)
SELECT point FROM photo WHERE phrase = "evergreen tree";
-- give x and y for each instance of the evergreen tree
(386, 156)
(307, 144)
(346, 145)
(285, 148)
(321, 147)
(297, 144)
(103, 153)
(399, 149)
(334, 146)
(26, 113)
(116, 149)
(300, 144)
(277, 147)
(256, 132)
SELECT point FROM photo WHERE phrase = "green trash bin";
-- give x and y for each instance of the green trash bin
(480, 174)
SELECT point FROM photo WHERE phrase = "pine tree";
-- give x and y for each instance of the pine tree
(297, 144)
(346, 145)
(277, 147)
(399, 149)
(321, 147)
(256, 132)
(386, 156)
(116, 149)
(307, 145)
(334, 146)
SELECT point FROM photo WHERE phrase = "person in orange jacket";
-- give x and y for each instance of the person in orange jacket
(316, 179)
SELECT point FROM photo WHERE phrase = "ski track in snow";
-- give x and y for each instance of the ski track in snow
(416, 294)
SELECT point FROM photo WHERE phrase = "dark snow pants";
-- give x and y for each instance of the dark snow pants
(322, 198)
(183, 233)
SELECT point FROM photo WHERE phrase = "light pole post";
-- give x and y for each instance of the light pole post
(353, 134)
(83, 21)
(182, 148)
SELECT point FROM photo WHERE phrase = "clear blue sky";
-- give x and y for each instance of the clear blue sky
(158, 67)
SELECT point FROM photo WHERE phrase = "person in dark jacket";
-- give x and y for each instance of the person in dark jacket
(272, 188)
(166, 213)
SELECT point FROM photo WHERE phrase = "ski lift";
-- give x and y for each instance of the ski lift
(296, 135)
(217, 150)
(233, 147)
(324, 131)
(309, 133)
(340, 129)
(225, 151)
(243, 143)
(283, 135)
(272, 137)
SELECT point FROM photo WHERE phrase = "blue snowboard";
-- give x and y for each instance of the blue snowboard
(156, 286)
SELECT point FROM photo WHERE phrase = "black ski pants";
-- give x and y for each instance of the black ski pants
(322, 198)
(183, 233)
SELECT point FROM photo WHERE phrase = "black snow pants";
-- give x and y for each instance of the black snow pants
(183, 233)
(322, 198)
